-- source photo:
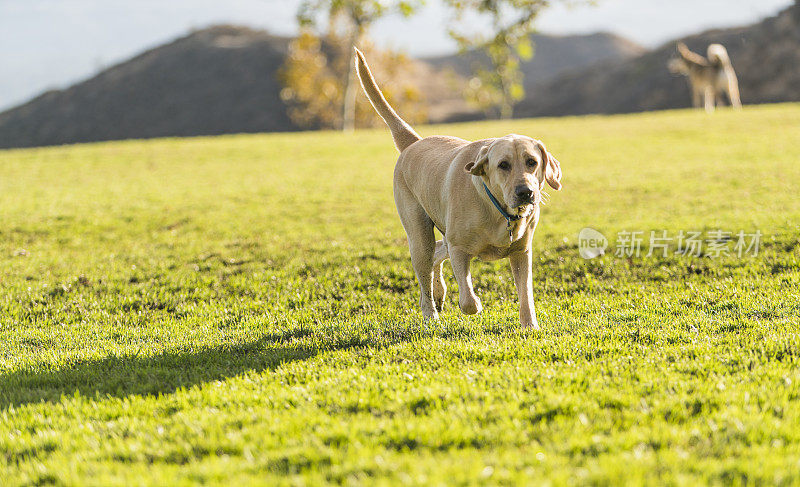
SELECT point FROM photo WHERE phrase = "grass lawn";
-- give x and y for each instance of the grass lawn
(242, 310)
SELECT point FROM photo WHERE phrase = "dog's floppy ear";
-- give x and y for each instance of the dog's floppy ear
(552, 168)
(478, 166)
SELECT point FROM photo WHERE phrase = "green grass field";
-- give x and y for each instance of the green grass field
(242, 310)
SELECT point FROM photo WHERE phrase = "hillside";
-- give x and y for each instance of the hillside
(554, 55)
(218, 80)
(766, 57)
(223, 80)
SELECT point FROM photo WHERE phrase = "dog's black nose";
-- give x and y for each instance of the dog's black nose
(524, 193)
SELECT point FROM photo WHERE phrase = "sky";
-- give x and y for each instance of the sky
(47, 44)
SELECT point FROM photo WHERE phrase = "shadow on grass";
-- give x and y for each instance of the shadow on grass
(164, 373)
(169, 371)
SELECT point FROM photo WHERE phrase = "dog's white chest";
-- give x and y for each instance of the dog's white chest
(502, 244)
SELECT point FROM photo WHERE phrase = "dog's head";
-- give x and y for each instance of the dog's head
(677, 65)
(515, 168)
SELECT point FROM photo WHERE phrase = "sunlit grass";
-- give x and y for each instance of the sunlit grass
(243, 309)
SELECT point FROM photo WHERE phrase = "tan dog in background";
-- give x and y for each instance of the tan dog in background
(450, 183)
(708, 77)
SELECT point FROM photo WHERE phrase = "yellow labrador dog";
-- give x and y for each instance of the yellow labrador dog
(483, 196)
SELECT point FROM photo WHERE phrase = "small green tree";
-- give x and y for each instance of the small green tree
(497, 86)
(347, 25)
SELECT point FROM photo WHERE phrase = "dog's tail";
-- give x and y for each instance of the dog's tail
(690, 56)
(402, 133)
(718, 56)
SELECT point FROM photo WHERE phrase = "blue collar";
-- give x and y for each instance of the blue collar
(508, 216)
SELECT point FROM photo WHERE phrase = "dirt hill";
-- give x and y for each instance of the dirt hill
(554, 55)
(766, 57)
(219, 80)
(223, 80)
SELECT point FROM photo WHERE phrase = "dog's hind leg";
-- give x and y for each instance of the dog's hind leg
(439, 287)
(733, 91)
(421, 243)
(708, 97)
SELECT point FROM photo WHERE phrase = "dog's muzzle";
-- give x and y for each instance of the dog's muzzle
(524, 195)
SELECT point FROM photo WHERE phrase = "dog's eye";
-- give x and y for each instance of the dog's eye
(504, 165)
(532, 162)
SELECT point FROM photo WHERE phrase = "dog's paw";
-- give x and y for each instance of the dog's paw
(439, 292)
(471, 306)
(532, 324)
(430, 311)
(431, 315)
(438, 303)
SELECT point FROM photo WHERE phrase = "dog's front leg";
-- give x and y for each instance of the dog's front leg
(422, 250)
(467, 301)
(697, 96)
(521, 269)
